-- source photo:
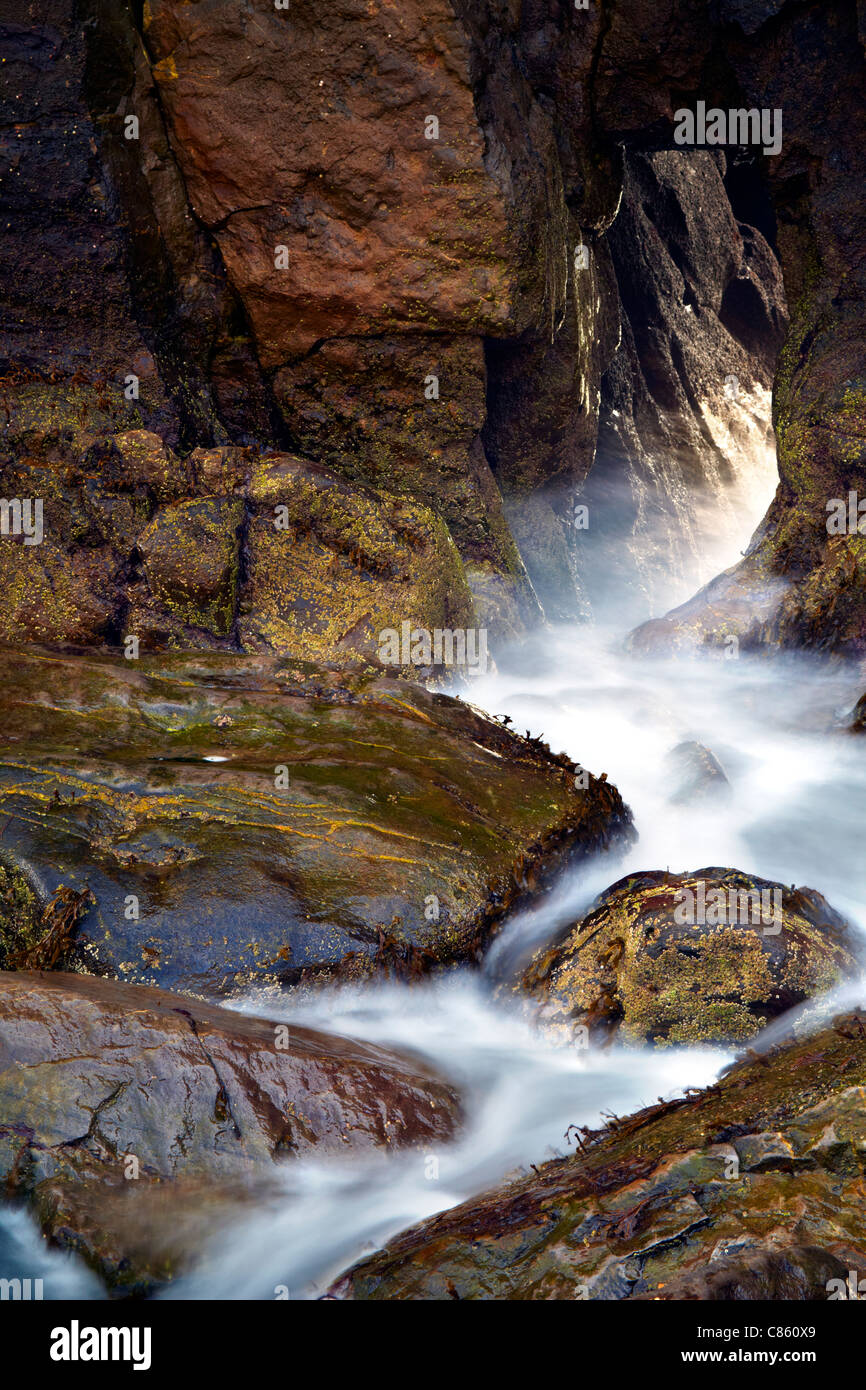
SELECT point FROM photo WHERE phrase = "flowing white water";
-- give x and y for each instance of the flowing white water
(520, 1094)
(795, 814)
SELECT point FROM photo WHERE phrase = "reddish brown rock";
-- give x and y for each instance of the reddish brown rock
(105, 1086)
(111, 1068)
(410, 258)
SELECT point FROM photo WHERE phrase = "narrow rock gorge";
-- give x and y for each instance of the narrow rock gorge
(432, 445)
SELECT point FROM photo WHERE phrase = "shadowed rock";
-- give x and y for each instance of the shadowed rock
(858, 716)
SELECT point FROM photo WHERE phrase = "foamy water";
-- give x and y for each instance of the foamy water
(795, 814)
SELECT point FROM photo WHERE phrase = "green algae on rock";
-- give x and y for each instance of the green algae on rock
(20, 914)
(102, 1083)
(752, 1188)
(250, 819)
(330, 565)
(191, 558)
(641, 965)
(229, 548)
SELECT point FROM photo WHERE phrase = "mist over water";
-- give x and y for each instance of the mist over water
(655, 533)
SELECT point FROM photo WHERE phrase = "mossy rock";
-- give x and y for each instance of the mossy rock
(246, 819)
(191, 554)
(20, 915)
(634, 967)
(52, 596)
(143, 460)
(750, 1189)
(330, 566)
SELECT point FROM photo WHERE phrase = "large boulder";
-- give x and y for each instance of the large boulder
(703, 957)
(110, 1091)
(330, 566)
(248, 819)
(751, 1189)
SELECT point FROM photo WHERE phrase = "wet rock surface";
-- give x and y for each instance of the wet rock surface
(707, 957)
(244, 819)
(109, 1091)
(751, 1189)
(698, 775)
(799, 584)
(273, 552)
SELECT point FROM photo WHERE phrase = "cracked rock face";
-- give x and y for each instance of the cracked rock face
(798, 585)
(685, 447)
(108, 1089)
(752, 1189)
(245, 819)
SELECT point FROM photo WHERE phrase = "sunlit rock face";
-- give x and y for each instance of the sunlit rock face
(799, 584)
(685, 463)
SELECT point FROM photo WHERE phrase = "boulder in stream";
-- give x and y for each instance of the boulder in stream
(251, 819)
(124, 1108)
(697, 773)
(703, 957)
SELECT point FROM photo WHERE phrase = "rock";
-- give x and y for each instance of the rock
(858, 716)
(799, 585)
(668, 1203)
(698, 773)
(191, 553)
(126, 552)
(704, 957)
(244, 819)
(430, 329)
(444, 228)
(684, 433)
(145, 461)
(51, 596)
(104, 1085)
(329, 566)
